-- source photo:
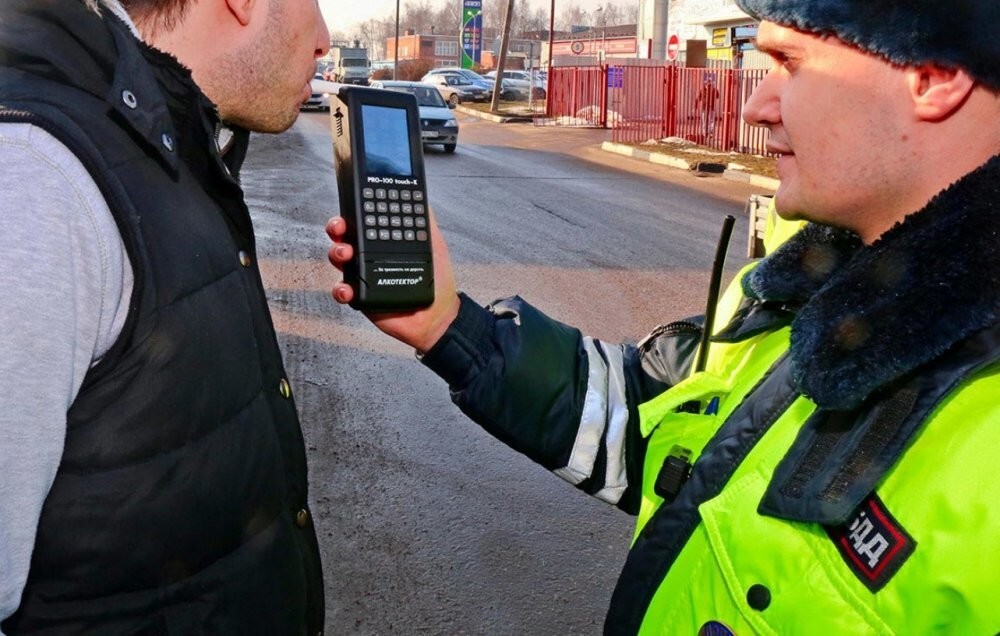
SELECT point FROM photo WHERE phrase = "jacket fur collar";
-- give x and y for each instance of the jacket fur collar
(869, 315)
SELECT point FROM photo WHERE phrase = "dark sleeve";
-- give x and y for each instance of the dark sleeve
(567, 401)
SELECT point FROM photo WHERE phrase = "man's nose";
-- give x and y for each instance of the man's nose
(764, 106)
(322, 34)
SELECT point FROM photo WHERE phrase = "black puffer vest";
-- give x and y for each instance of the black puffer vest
(180, 503)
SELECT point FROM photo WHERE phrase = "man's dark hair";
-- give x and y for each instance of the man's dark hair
(156, 15)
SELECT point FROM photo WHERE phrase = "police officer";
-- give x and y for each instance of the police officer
(830, 468)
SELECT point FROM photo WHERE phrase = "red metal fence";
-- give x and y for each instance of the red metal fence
(646, 102)
(577, 95)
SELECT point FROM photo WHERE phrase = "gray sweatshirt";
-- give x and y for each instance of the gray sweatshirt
(65, 284)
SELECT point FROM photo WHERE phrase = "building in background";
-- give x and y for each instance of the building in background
(439, 50)
(593, 46)
(446, 50)
(714, 30)
(690, 32)
(523, 51)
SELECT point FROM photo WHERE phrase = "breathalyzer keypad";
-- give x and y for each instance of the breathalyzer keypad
(394, 214)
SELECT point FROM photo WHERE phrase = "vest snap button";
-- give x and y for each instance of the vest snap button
(244, 258)
(285, 388)
(128, 97)
(302, 518)
(758, 597)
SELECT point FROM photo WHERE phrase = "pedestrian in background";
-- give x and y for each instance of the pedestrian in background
(706, 103)
(830, 467)
(152, 470)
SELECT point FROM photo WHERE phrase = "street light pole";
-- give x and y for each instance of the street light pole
(600, 54)
(395, 48)
(552, 26)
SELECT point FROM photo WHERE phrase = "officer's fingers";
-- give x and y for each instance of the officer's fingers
(343, 293)
(336, 227)
(340, 253)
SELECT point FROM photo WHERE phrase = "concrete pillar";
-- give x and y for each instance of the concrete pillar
(652, 28)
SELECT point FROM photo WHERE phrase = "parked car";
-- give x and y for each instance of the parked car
(522, 81)
(318, 99)
(456, 89)
(485, 83)
(512, 91)
(437, 123)
(541, 79)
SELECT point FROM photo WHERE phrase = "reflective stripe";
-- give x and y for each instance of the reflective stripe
(595, 409)
(615, 480)
(604, 406)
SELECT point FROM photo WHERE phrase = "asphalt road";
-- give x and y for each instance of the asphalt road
(428, 525)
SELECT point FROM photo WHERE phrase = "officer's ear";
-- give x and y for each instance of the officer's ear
(242, 10)
(937, 91)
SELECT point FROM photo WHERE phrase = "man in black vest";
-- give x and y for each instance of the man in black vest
(823, 463)
(153, 470)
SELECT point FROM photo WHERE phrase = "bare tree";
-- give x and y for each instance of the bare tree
(613, 14)
(418, 16)
(338, 36)
(610, 14)
(448, 18)
(445, 16)
(524, 19)
(571, 15)
(372, 33)
(630, 14)
(538, 20)
(493, 13)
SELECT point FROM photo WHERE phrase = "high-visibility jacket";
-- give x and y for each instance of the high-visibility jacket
(750, 573)
(839, 439)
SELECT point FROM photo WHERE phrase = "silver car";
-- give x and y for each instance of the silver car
(483, 82)
(456, 89)
(522, 82)
(318, 99)
(437, 123)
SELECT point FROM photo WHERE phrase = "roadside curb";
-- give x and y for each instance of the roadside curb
(500, 119)
(755, 180)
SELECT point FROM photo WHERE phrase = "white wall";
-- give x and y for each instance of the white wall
(653, 26)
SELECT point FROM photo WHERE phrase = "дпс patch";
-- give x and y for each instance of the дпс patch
(873, 543)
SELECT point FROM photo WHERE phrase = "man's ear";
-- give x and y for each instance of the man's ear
(937, 92)
(241, 10)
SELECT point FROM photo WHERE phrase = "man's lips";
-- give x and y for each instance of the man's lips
(779, 149)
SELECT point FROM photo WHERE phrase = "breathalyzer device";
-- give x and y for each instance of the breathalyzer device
(379, 161)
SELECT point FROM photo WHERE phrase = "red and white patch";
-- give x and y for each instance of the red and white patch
(873, 543)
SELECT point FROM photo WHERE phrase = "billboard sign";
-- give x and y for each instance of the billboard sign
(472, 32)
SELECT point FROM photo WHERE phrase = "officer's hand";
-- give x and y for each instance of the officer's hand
(421, 328)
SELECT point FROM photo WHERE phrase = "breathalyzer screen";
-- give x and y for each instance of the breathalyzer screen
(387, 141)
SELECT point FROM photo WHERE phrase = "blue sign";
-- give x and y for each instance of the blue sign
(616, 76)
(472, 33)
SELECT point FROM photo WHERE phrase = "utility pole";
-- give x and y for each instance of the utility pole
(604, 34)
(395, 48)
(502, 57)
(552, 26)
(600, 55)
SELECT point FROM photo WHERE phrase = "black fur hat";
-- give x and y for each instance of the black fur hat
(954, 33)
